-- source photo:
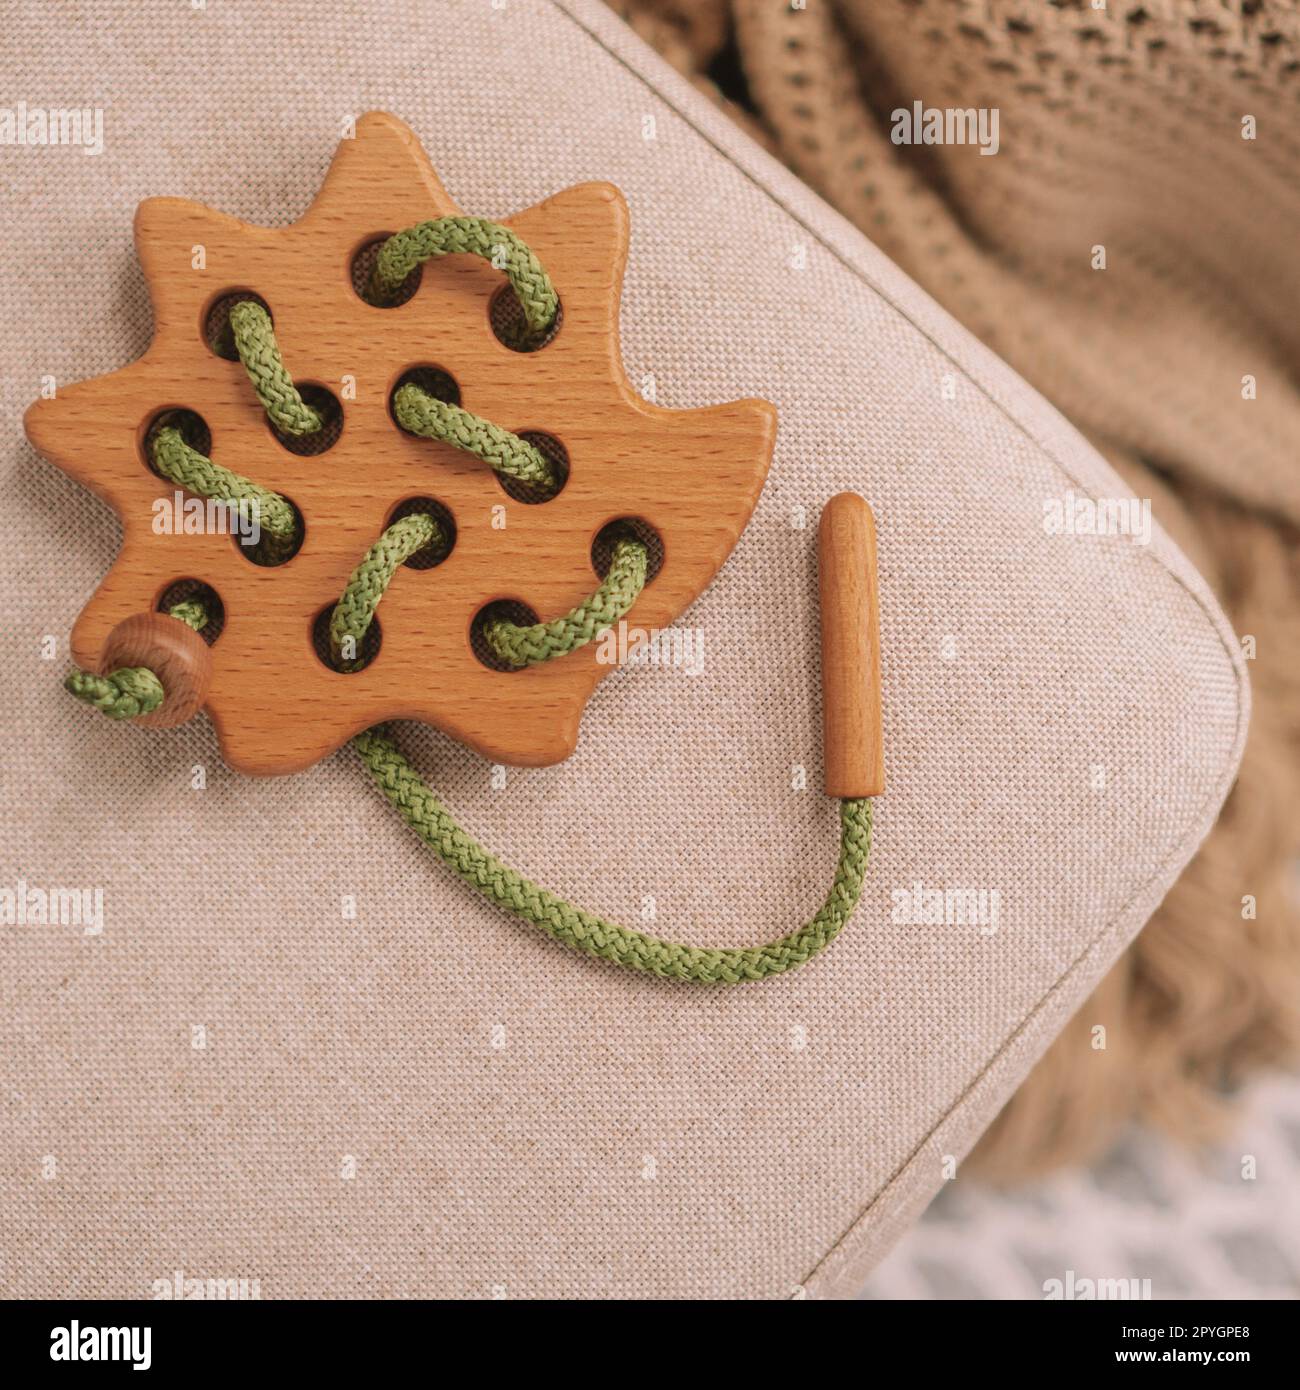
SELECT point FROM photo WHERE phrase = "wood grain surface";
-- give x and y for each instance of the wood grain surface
(850, 623)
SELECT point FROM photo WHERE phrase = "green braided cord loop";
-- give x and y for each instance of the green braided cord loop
(618, 591)
(132, 690)
(354, 611)
(195, 472)
(420, 413)
(260, 353)
(446, 236)
(121, 695)
(584, 931)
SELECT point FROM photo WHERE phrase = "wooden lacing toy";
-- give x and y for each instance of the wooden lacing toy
(392, 400)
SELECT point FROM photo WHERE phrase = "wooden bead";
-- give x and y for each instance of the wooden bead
(850, 624)
(174, 652)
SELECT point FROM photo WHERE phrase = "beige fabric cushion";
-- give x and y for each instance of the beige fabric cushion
(1064, 715)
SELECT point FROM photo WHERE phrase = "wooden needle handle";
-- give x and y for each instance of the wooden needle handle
(850, 622)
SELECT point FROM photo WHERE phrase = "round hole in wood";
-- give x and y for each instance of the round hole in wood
(363, 265)
(602, 548)
(555, 454)
(191, 591)
(320, 640)
(266, 551)
(326, 404)
(434, 381)
(217, 333)
(512, 610)
(506, 316)
(193, 430)
(435, 554)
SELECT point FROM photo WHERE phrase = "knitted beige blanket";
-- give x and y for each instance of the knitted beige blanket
(1131, 249)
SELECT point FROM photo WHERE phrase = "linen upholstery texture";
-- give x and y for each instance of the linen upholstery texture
(524, 1122)
(1165, 133)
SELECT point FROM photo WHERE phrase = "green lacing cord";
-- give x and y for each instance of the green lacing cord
(585, 931)
(573, 926)
(183, 465)
(121, 694)
(255, 343)
(527, 646)
(131, 690)
(416, 410)
(513, 644)
(191, 612)
(420, 413)
(445, 236)
(353, 613)
(137, 690)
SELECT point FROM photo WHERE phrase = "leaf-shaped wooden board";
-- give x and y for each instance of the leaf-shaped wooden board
(692, 476)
